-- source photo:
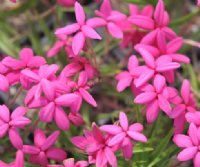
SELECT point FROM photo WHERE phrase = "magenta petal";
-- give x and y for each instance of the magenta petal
(61, 119)
(48, 89)
(30, 149)
(193, 133)
(144, 98)
(124, 80)
(79, 142)
(15, 139)
(80, 14)
(20, 122)
(5, 86)
(90, 32)
(31, 75)
(50, 140)
(4, 113)
(196, 159)
(47, 112)
(117, 139)
(123, 121)
(152, 111)
(110, 157)
(136, 127)
(36, 61)
(114, 30)
(159, 12)
(148, 58)
(161, 41)
(78, 42)
(19, 160)
(159, 83)
(185, 91)
(87, 97)
(174, 45)
(39, 137)
(56, 154)
(67, 99)
(187, 154)
(69, 29)
(19, 111)
(137, 136)
(128, 150)
(26, 54)
(106, 8)
(96, 22)
(3, 129)
(179, 58)
(182, 141)
(167, 67)
(144, 77)
(111, 129)
(142, 22)
(164, 104)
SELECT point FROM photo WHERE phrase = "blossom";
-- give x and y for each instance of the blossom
(43, 149)
(161, 65)
(81, 29)
(62, 42)
(27, 61)
(42, 79)
(187, 104)
(109, 18)
(95, 144)
(19, 161)
(126, 78)
(123, 134)
(53, 110)
(190, 144)
(155, 97)
(9, 123)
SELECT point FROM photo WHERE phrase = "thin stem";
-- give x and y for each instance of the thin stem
(19, 91)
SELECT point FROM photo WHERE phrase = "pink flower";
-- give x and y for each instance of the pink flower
(155, 97)
(190, 144)
(123, 134)
(19, 161)
(62, 42)
(13, 1)
(43, 149)
(81, 29)
(109, 18)
(161, 65)
(198, 2)
(9, 123)
(27, 61)
(53, 110)
(96, 146)
(187, 104)
(43, 80)
(168, 49)
(81, 89)
(126, 78)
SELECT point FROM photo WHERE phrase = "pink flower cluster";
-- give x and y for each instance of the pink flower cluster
(101, 147)
(58, 94)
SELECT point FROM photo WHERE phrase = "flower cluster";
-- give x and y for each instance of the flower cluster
(56, 93)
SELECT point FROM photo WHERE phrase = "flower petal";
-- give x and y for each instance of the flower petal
(114, 30)
(80, 14)
(78, 42)
(90, 32)
(182, 141)
(123, 121)
(187, 154)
